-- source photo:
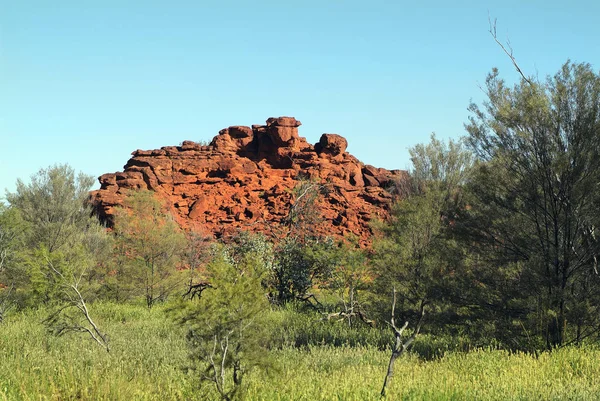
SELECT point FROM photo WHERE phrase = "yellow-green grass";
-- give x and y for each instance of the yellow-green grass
(149, 353)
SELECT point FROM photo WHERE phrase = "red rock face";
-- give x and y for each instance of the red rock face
(244, 179)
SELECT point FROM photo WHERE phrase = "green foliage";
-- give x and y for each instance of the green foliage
(245, 246)
(149, 245)
(62, 245)
(50, 271)
(300, 265)
(225, 334)
(12, 234)
(70, 273)
(50, 216)
(416, 253)
(13, 231)
(293, 271)
(447, 165)
(344, 271)
(54, 204)
(536, 197)
(304, 258)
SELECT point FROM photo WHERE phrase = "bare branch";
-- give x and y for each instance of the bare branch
(76, 299)
(507, 49)
(195, 289)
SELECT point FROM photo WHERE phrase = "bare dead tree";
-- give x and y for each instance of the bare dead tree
(507, 49)
(197, 253)
(400, 345)
(310, 300)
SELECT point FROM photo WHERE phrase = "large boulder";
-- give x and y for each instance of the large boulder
(331, 144)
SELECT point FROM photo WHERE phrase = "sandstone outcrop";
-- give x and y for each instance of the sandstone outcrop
(245, 177)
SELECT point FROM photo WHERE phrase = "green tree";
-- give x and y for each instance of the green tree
(149, 246)
(63, 244)
(445, 166)
(295, 271)
(54, 204)
(344, 271)
(244, 244)
(538, 150)
(416, 251)
(410, 255)
(71, 271)
(12, 275)
(225, 333)
(55, 216)
(292, 272)
(416, 256)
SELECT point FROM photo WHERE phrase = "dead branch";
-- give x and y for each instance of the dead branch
(195, 290)
(307, 300)
(508, 51)
(350, 313)
(76, 300)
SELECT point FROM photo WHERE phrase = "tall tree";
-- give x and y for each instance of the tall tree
(56, 218)
(538, 147)
(63, 244)
(12, 233)
(415, 247)
(54, 203)
(416, 257)
(148, 245)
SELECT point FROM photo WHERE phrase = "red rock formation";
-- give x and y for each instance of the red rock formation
(243, 180)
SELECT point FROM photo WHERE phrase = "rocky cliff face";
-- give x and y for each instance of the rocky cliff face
(244, 180)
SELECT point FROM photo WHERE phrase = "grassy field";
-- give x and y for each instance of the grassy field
(149, 353)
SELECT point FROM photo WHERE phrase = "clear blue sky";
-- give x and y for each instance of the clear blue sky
(88, 82)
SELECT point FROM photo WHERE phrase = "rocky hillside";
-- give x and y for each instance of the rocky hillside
(245, 177)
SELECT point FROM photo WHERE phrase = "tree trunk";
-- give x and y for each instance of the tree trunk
(390, 371)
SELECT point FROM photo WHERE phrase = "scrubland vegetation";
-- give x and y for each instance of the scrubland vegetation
(148, 354)
(483, 284)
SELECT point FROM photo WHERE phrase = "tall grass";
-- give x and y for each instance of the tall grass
(148, 356)
(293, 329)
(357, 374)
